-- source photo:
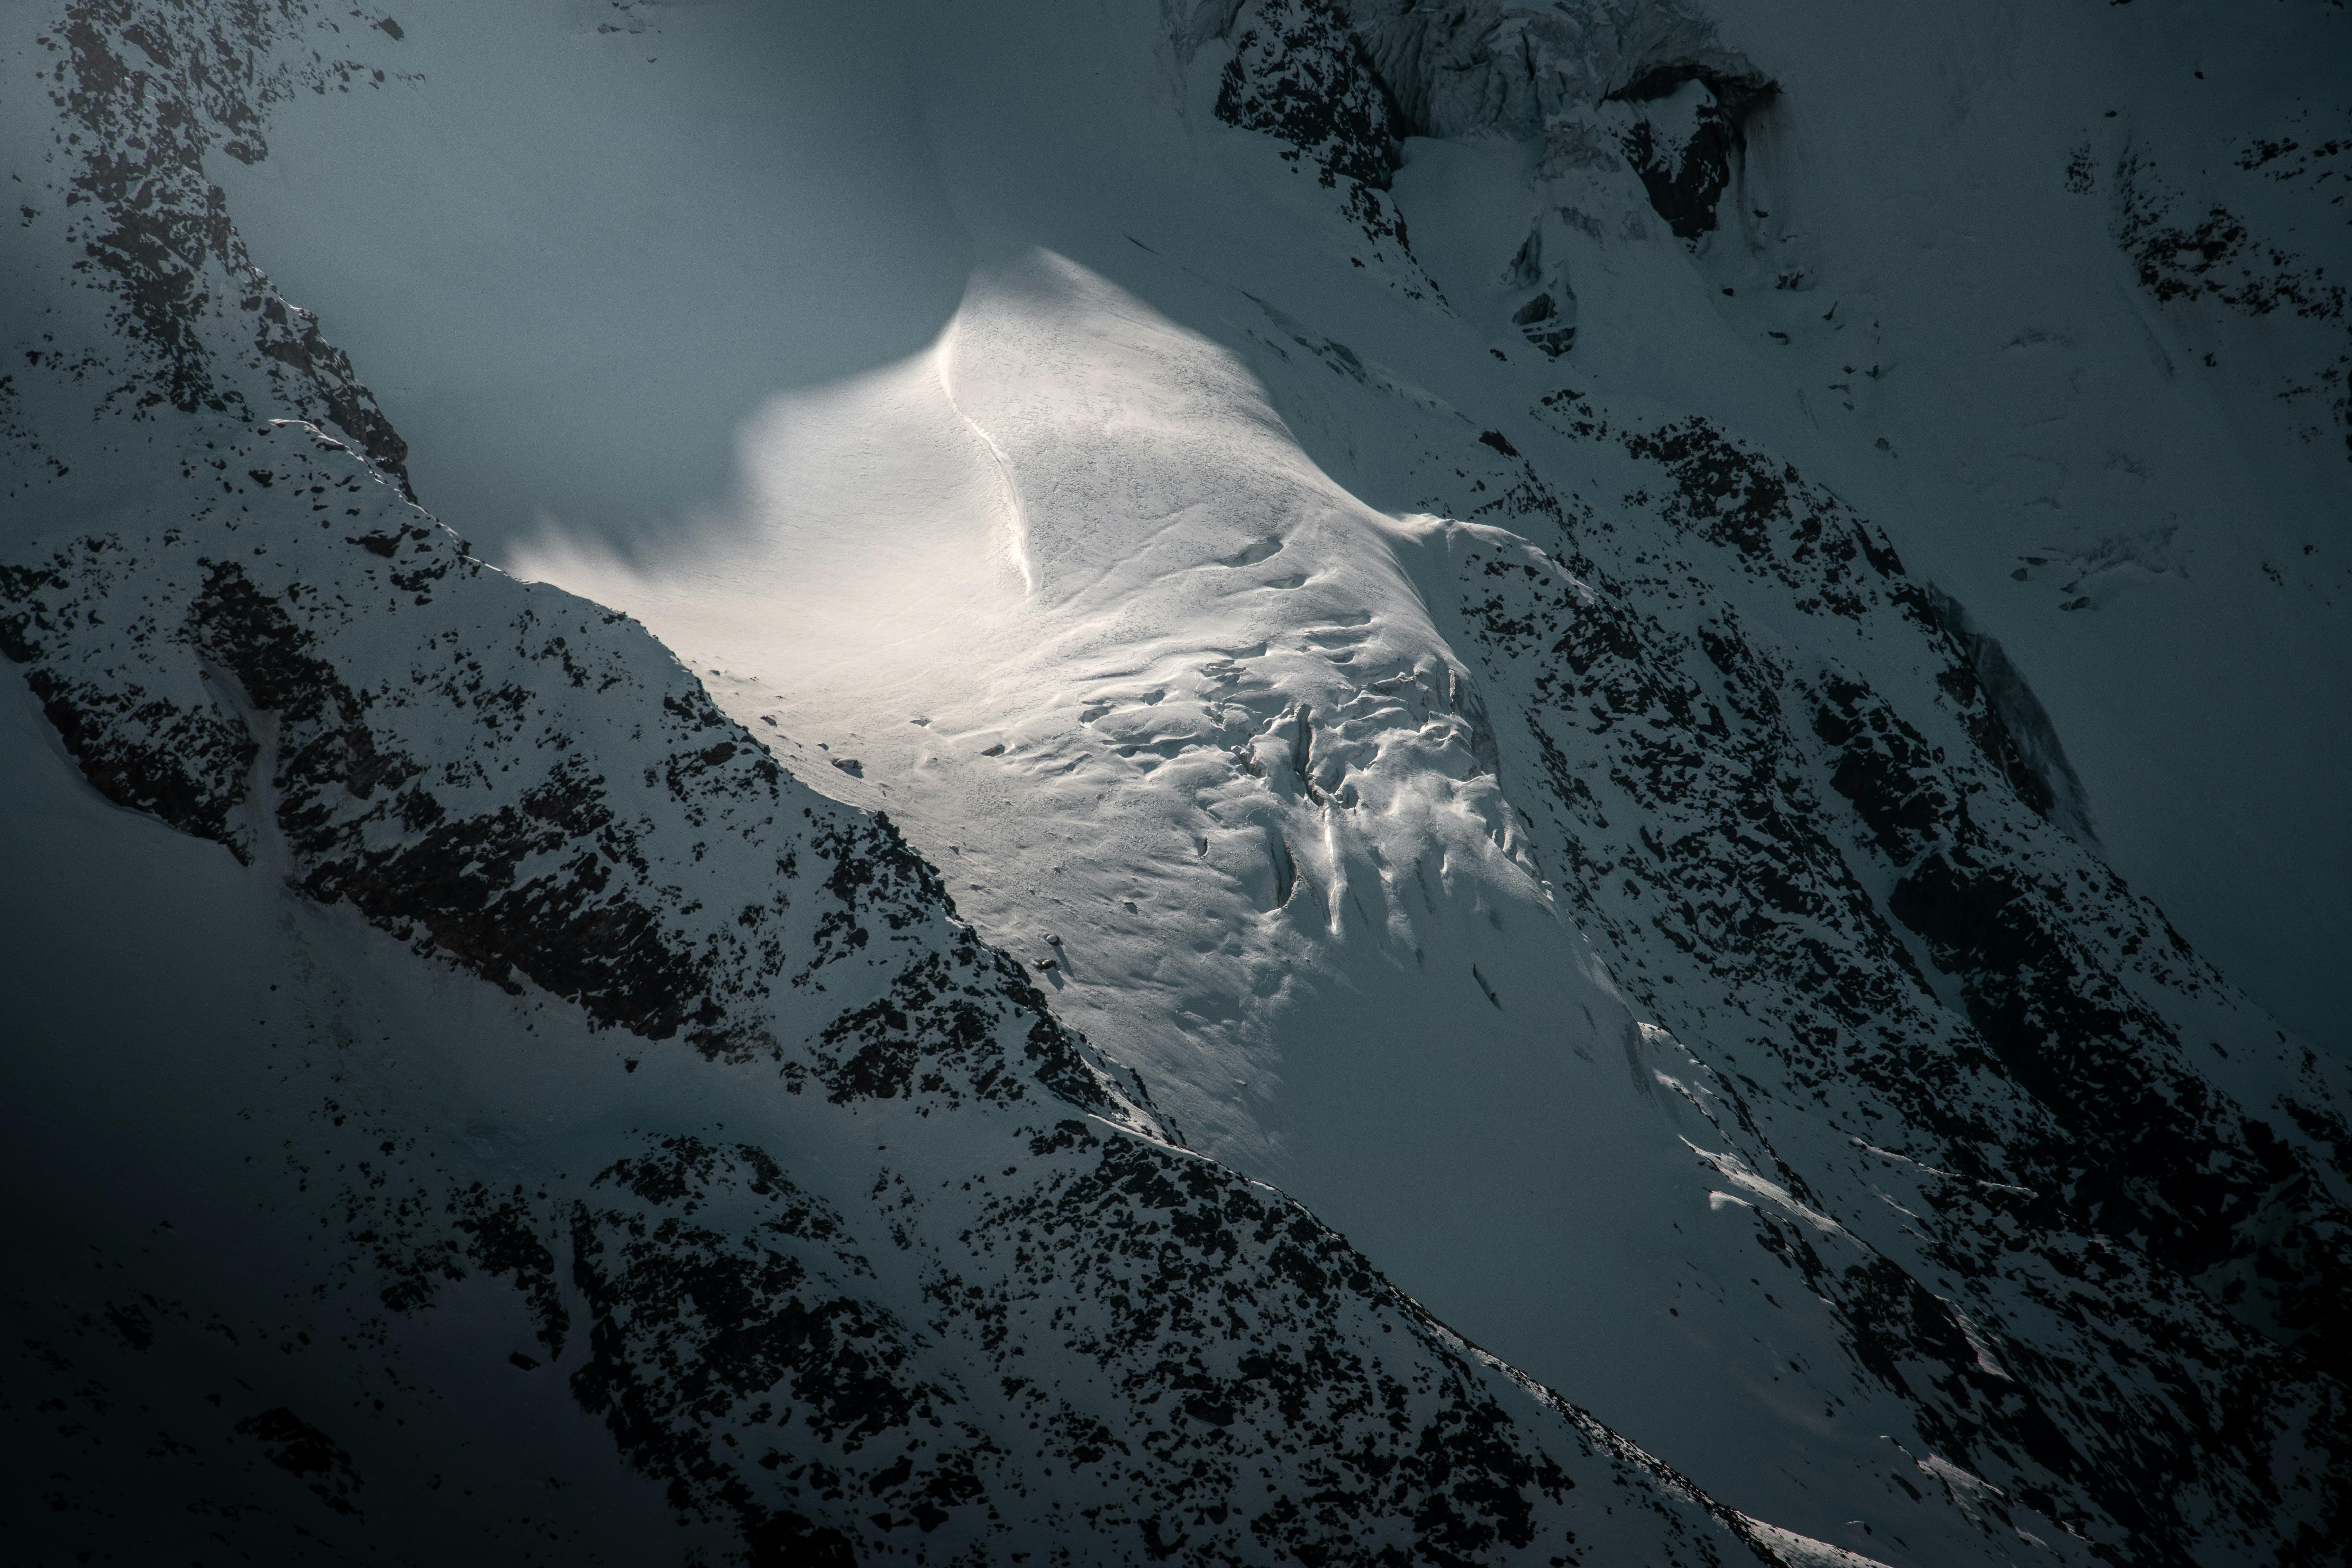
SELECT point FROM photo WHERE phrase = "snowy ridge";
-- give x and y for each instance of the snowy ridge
(421, 767)
(148, 92)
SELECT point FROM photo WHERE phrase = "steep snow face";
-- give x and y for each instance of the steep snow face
(1114, 693)
(1317, 573)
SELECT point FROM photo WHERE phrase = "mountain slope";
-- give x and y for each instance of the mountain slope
(418, 792)
(1330, 600)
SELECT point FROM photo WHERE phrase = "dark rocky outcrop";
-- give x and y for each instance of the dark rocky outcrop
(1788, 851)
(1688, 170)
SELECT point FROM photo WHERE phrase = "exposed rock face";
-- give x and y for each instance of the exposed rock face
(147, 93)
(1862, 859)
(1298, 73)
(1722, 810)
(406, 794)
(2188, 259)
(1342, 81)
(1687, 143)
(1493, 70)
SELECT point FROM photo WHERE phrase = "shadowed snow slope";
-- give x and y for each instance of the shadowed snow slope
(1433, 602)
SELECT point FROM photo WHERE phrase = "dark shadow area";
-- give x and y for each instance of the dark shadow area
(570, 268)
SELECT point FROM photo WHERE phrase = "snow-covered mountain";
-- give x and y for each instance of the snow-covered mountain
(1229, 782)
